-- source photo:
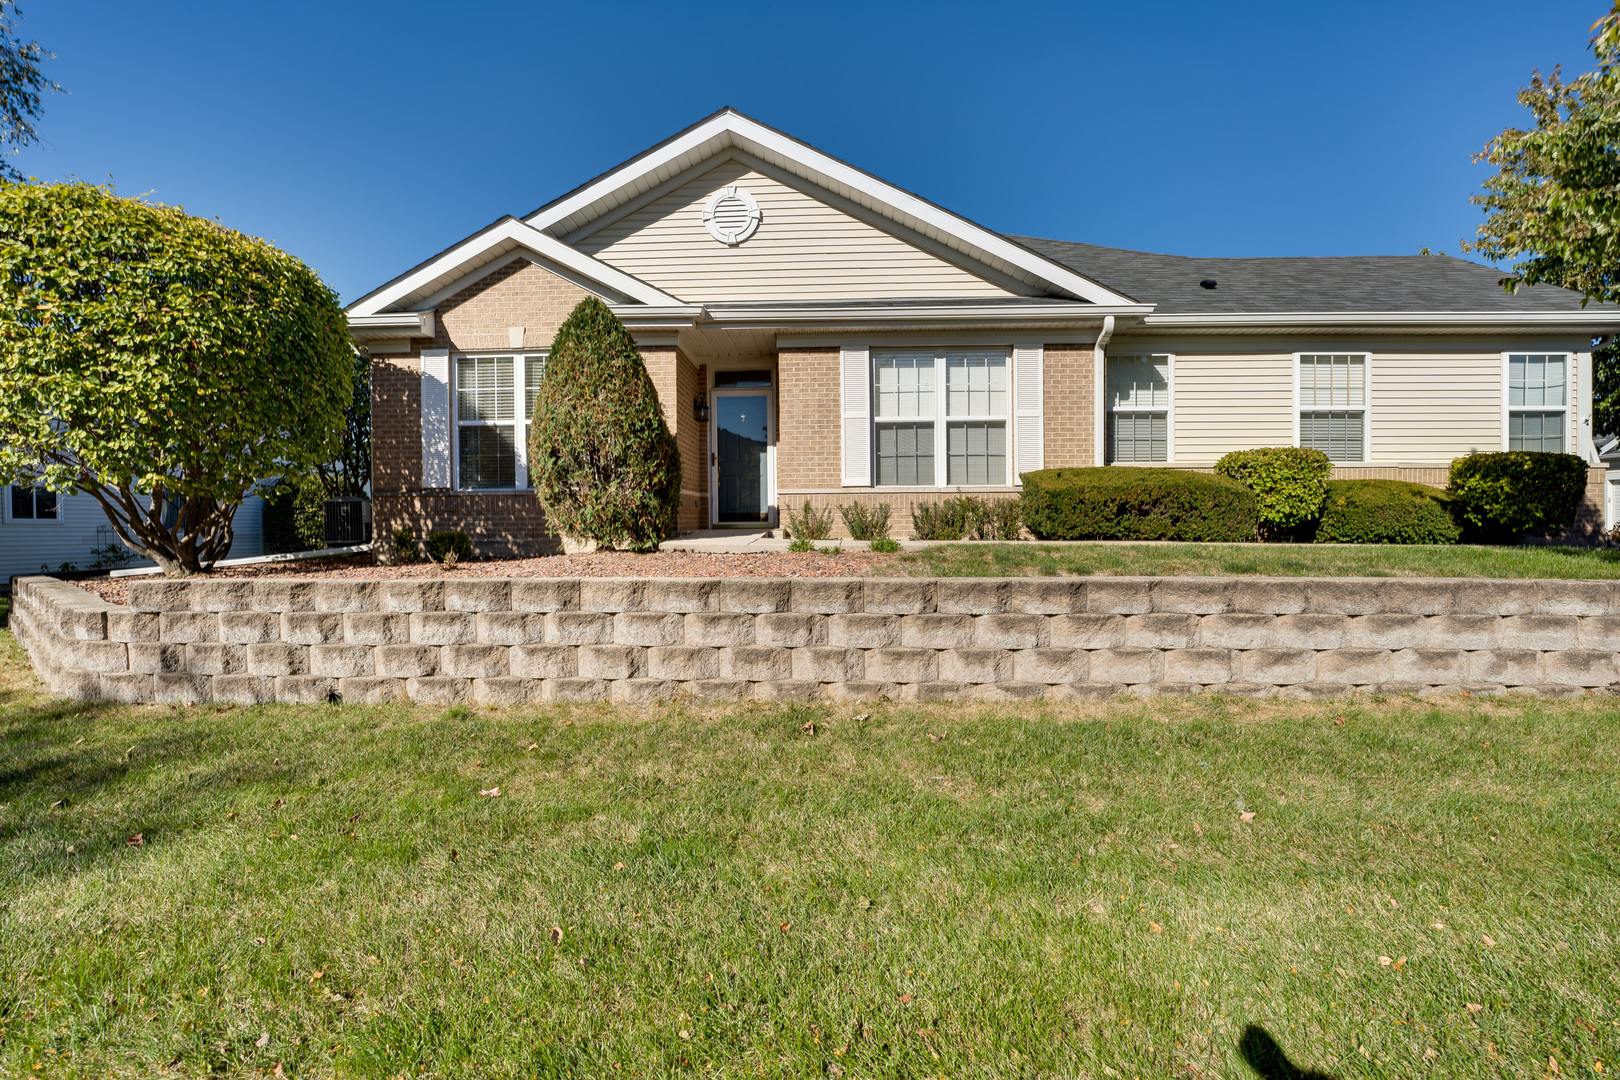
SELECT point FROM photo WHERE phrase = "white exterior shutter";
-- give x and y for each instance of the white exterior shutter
(435, 418)
(855, 375)
(1029, 424)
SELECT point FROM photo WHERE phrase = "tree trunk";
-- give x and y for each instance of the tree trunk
(200, 535)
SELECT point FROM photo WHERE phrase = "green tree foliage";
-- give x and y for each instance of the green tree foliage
(1506, 494)
(1289, 484)
(347, 474)
(21, 87)
(603, 461)
(1554, 203)
(161, 363)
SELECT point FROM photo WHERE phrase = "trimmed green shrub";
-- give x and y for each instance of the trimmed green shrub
(1289, 484)
(948, 519)
(997, 519)
(1131, 503)
(1503, 495)
(405, 545)
(603, 461)
(810, 523)
(888, 545)
(1386, 512)
(447, 542)
(800, 545)
(865, 522)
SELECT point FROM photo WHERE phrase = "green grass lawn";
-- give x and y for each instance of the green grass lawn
(998, 891)
(1277, 560)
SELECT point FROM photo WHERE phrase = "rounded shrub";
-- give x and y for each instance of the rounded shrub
(1386, 512)
(603, 461)
(1129, 503)
(1289, 484)
(1503, 495)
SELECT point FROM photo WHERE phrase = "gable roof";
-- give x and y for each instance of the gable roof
(1323, 284)
(728, 130)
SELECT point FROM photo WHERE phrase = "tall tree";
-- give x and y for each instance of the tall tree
(347, 474)
(161, 363)
(1554, 203)
(21, 87)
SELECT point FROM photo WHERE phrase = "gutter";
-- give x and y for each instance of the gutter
(922, 315)
(392, 325)
(1099, 364)
(1461, 319)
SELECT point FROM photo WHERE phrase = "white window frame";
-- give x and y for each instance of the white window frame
(61, 501)
(519, 421)
(1569, 393)
(941, 419)
(1366, 397)
(1169, 408)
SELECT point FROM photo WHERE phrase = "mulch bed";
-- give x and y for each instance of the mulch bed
(660, 564)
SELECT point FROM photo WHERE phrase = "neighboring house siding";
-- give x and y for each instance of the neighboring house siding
(804, 249)
(1428, 409)
(28, 546)
(1222, 403)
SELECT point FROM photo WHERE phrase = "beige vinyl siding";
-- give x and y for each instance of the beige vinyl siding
(804, 249)
(1225, 403)
(1430, 409)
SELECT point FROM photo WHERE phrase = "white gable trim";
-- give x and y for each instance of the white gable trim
(467, 257)
(731, 130)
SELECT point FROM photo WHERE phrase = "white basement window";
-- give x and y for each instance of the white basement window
(1537, 401)
(925, 437)
(1138, 408)
(491, 435)
(1333, 405)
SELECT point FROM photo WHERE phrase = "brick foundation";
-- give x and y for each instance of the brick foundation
(525, 640)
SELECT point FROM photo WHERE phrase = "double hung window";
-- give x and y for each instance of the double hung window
(1333, 405)
(940, 416)
(1138, 408)
(491, 432)
(1537, 401)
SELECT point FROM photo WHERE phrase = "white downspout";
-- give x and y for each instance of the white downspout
(1099, 368)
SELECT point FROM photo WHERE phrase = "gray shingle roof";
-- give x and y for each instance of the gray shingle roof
(1355, 283)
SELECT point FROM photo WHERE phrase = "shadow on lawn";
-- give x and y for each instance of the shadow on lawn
(1267, 1059)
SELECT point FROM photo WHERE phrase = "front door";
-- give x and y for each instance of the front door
(742, 434)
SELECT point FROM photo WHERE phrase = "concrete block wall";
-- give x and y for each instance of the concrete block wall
(635, 640)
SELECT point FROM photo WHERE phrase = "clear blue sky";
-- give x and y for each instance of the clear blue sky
(365, 137)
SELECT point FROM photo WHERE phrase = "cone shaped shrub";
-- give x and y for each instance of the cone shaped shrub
(603, 461)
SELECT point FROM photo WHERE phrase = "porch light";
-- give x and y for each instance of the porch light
(700, 409)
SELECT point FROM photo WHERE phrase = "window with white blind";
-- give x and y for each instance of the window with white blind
(1333, 405)
(1537, 401)
(1138, 409)
(940, 417)
(491, 434)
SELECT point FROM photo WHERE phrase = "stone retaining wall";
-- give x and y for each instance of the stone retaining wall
(510, 641)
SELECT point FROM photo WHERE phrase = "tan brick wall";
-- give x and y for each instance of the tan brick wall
(500, 523)
(518, 294)
(396, 424)
(808, 424)
(1070, 407)
(693, 440)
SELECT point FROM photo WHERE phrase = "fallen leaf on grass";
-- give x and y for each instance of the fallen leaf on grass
(556, 935)
(263, 1040)
(1338, 719)
(1430, 1054)
(808, 727)
(905, 999)
(532, 746)
(786, 927)
(493, 793)
(1155, 927)
(861, 717)
(1489, 941)
(1438, 925)
(1473, 1007)
(685, 1034)
(863, 902)
(1385, 961)
(1247, 815)
(316, 975)
(618, 866)
(1399, 964)
(138, 840)
(1197, 828)
(258, 941)
(454, 855)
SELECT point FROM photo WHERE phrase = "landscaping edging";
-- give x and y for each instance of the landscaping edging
(509, 641)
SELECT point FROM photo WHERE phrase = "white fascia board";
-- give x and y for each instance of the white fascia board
(721, 317)
(1484, 320)
(648, 317)
(525, 236)
(740, 132)
(393, 324)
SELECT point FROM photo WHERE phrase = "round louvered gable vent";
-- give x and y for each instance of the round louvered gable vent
(732, 215)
